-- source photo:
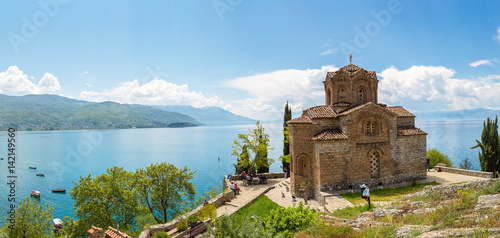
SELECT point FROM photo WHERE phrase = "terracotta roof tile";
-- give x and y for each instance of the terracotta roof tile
(410, 132)
(330, 135)
(113, 233)
(350, 110)
(320, 112)
(400, 111)
(94, 229)
(300, 120)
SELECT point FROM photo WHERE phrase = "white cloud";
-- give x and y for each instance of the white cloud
(155, 92)
(480, 62)
(269, 91)
(89, 85)
(328, 51)
(431, 88)
(85, 72)
(498, 35)
(15, 82)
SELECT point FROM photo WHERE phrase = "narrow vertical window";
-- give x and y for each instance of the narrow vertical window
(374, 164)
(360, 95)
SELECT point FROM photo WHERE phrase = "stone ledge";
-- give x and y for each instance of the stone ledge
(443, 168)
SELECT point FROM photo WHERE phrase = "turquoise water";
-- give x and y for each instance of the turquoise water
(455, 139)
(64, 156)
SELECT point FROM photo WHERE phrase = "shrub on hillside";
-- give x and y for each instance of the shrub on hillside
(226, 226)
(208, 211)
(182, 225)
(161, 234)
(437, 157)
(287, 221)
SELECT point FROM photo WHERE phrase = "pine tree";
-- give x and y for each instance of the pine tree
(489, 157)
(285, 159)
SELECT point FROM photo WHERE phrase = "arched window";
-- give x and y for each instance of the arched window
(371, 127)
(360, 95)
(375, 164)
(303, 166)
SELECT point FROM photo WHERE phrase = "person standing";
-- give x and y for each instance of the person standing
(286, 173)
(428, 164)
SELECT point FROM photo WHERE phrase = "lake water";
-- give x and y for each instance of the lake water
(64, 156)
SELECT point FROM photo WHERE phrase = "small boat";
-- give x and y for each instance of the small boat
(32, 167)
(57, 224)
(58, 190)
(35, 193)
(40, 174)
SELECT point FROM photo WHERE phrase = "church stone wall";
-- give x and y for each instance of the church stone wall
(413, 150)
(324, 124)
(300, 146)
(406, 121)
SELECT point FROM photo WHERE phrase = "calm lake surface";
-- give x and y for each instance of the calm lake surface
(64, 156)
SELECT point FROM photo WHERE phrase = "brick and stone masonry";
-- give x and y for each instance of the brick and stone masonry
(353, 139)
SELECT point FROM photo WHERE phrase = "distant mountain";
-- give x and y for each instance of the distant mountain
(51, 112)
(209, 115)
(470, 114)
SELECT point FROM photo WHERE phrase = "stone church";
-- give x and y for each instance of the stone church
(353, 139)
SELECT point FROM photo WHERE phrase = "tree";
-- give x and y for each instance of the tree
(32, 220)
(165, 190)
(106, 200)
(243, 161)
(437, 157)
(466, 164)
(285, 158)
(257, 146)
(489, 157)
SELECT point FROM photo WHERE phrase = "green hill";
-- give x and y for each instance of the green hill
(51, 112)
(209, 115)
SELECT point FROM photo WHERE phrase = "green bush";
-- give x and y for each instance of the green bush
(161, 234)
(437, 157)
(192, 220)
(208, 211)
(287, 221)
(226, 226)
(182, 225)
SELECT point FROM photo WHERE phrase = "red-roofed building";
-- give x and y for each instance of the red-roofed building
(353, 139)
(95, 232)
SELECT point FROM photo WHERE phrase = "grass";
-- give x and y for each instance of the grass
(350, 212)
(260, 208)
(385, 194)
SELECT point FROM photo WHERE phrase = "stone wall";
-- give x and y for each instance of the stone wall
(268, 175)
(300, 147)
(406, 121)
(444, 168)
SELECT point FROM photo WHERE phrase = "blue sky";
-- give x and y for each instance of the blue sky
(250, 57)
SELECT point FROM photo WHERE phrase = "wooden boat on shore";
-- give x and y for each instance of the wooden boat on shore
(59, 190)
(40, 174)
(35, 193)
(32, 167)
